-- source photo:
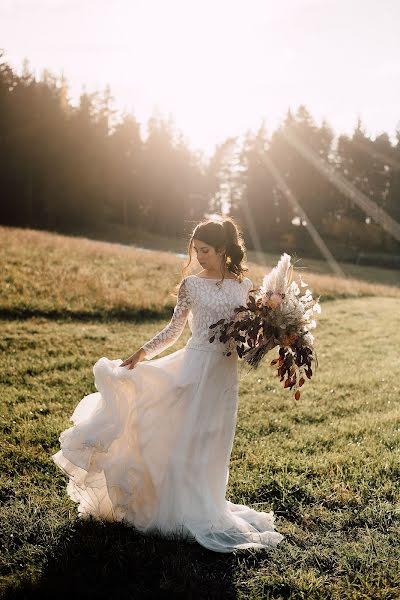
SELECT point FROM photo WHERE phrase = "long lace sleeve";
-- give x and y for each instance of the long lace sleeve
(169, 335)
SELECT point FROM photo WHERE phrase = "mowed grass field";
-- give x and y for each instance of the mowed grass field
(327, 465)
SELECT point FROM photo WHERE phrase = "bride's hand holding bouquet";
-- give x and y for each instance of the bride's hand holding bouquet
(277, 316)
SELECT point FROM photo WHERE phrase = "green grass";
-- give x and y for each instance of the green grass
(327, 465)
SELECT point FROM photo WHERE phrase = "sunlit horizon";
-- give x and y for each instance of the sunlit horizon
(218, 69)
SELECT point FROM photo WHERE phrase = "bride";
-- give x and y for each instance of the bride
(151, 447)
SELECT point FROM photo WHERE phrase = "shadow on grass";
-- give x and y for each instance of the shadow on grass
(94, 559)
(118, 314)
(128, 314)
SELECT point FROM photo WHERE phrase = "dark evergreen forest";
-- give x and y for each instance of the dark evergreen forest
(71, 168)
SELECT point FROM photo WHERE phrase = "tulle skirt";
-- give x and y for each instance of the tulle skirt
(151, 448)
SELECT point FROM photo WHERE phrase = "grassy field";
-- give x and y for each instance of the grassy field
(61, 277)
(327, 465)
(142, 239)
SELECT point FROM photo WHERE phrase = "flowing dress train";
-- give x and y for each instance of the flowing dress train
(151, 447)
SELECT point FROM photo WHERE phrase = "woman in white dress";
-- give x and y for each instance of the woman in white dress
(151, 447)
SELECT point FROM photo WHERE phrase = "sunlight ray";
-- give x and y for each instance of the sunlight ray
(252, 231)
(371, 208)
(319, 242)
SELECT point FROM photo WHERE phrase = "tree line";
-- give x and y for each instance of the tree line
(66, 167)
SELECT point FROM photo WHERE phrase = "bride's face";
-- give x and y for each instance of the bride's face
(207, 255)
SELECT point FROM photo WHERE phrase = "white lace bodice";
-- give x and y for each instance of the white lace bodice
(201, 302)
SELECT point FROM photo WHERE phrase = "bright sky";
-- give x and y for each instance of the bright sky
(219, 66)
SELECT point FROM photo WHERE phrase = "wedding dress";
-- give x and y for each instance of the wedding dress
(151, 447)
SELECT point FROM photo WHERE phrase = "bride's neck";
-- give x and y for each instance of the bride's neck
(214, 273)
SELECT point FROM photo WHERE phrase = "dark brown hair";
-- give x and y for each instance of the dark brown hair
(225, 235)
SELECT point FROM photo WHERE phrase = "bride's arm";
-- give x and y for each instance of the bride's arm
(171, 332)
(250, 284)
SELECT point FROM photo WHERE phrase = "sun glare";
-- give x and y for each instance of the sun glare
(218, 68)
(201, 64)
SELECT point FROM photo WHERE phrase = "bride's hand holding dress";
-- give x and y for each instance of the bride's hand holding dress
(134, 359)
